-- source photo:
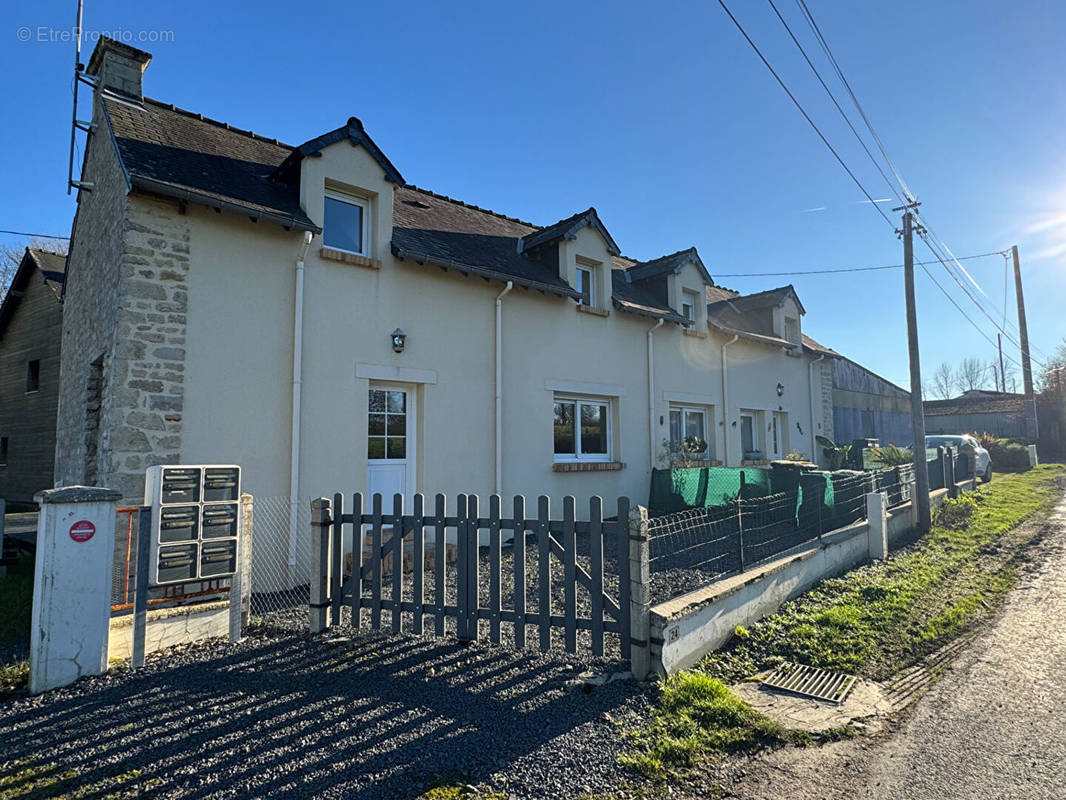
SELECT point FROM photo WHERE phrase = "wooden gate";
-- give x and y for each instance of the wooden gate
(455, 572)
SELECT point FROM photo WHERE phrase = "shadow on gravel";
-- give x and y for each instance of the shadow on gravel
(365, 717)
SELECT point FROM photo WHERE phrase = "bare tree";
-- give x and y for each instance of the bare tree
(971, 374)
(11, 257)
(1052, 377)
(943, 381)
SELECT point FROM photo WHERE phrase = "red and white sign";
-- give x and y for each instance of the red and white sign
(82, 530)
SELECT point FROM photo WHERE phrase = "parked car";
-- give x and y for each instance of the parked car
(971, 447)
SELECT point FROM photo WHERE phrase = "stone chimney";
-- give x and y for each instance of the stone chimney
(118, 68)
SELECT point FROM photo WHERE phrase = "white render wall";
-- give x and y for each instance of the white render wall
(239, 350)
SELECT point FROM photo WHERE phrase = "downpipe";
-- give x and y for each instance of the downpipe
(810, 400)
(725, 401)
(499, 387)
(297, 391)
(651, 394)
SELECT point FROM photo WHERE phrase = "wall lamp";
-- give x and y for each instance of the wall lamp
(399, 340)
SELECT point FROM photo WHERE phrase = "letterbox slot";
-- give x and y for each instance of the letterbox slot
(218, 558)
(178, 524)
(177, 563)
(181, 486)
(221, 485)
(219, 522)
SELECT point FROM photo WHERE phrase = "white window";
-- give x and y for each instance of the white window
(586, 285)
(747, 435)
(582, 429)
(792, 329)
(346, 224)
(688, 431)
(688, 304)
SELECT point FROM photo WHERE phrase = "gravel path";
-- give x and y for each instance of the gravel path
(361, 716)
(993, 727)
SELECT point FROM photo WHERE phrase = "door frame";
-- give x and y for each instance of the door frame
(411, 460)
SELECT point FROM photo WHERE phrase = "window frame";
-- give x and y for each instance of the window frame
(683, 409)
(691, 299)
(354, 200)
(33, 375)
(577, 456)
(591, 272)
(794, 334)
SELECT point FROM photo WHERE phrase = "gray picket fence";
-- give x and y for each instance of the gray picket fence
(445, 572)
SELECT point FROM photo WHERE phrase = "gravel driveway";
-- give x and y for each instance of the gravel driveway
(365, 716)
(993, 727)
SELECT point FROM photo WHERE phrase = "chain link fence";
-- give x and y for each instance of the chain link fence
(281, 558)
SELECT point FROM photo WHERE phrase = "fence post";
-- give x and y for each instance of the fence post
(320, 564)
(140, 592)
(1033, 459)
(639, 599)
(877, 523)
(245, 556)
(740, 535)
(949, 476)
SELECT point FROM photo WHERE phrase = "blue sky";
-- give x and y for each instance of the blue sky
(660, 115)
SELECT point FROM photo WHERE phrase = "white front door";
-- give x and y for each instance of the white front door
(390, 449)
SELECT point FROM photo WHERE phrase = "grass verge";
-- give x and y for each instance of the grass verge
(874, 621)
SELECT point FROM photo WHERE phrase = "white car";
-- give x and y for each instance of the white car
(970, 446)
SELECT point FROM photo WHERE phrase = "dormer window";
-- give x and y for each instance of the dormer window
(586, 285)
(346, 224)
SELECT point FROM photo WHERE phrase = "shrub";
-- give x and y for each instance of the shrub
(1006, 454)
(956, 514)
(891, 455)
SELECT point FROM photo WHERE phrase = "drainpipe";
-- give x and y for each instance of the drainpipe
(810, 381)
(725, 401)
(651, 392)
(499, 386)
(297, 371)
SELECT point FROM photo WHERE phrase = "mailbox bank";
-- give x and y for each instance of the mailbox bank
(195, 522)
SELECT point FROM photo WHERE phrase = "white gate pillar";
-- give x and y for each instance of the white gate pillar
(72, 585)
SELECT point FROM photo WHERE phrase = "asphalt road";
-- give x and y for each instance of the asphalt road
(993, 727)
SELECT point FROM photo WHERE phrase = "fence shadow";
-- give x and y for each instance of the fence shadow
(361, 716)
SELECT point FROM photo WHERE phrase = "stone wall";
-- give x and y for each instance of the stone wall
(90, 308)
(149, 363)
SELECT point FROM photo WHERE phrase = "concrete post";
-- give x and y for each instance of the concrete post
(237, 587)
(72, 585)
(877, 517)
(320, 561)
(639, 596)
(246, 558)
(1033, 460)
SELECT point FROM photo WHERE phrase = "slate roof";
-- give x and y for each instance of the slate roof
(985, 403)
(166, 150)
(766, 299)
(50, 266)
(664, 265)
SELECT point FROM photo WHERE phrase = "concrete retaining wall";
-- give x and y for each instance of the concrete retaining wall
(683, 630)
(167, 627)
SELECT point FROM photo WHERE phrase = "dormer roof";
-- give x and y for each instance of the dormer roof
(567, 229)
(355, 133)
(672, 263)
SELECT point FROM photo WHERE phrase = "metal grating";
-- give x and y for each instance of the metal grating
(811, 682)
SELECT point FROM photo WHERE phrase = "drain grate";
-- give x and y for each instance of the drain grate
(811, 682)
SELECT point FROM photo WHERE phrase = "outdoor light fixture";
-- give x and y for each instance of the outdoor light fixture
(780, 389)
(399, 339)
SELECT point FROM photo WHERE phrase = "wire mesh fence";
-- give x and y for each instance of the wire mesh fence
(281, 558)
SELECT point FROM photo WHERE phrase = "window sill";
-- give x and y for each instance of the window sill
(588, 466)
(596, 312)
(693, 333)
(695, 464)
(330, 254)
(755, 462)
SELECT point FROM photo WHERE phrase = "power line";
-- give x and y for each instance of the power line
(803, 111)
(36, 235)
(842, 269)
(828, 91)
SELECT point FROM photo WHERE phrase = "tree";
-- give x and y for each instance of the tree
(971, 374)
(1053, 376)
(943, 381)
(11, 257)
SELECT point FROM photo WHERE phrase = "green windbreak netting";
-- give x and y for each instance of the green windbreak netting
(702, 487)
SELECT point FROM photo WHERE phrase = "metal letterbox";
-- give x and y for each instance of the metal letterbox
(195, 520)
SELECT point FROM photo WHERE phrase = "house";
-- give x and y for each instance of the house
(1001, 414)
(31, 323)
(308, 313)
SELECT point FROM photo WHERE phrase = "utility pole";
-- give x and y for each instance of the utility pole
(1031, 429)
(1002, 374)
(921, 466)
